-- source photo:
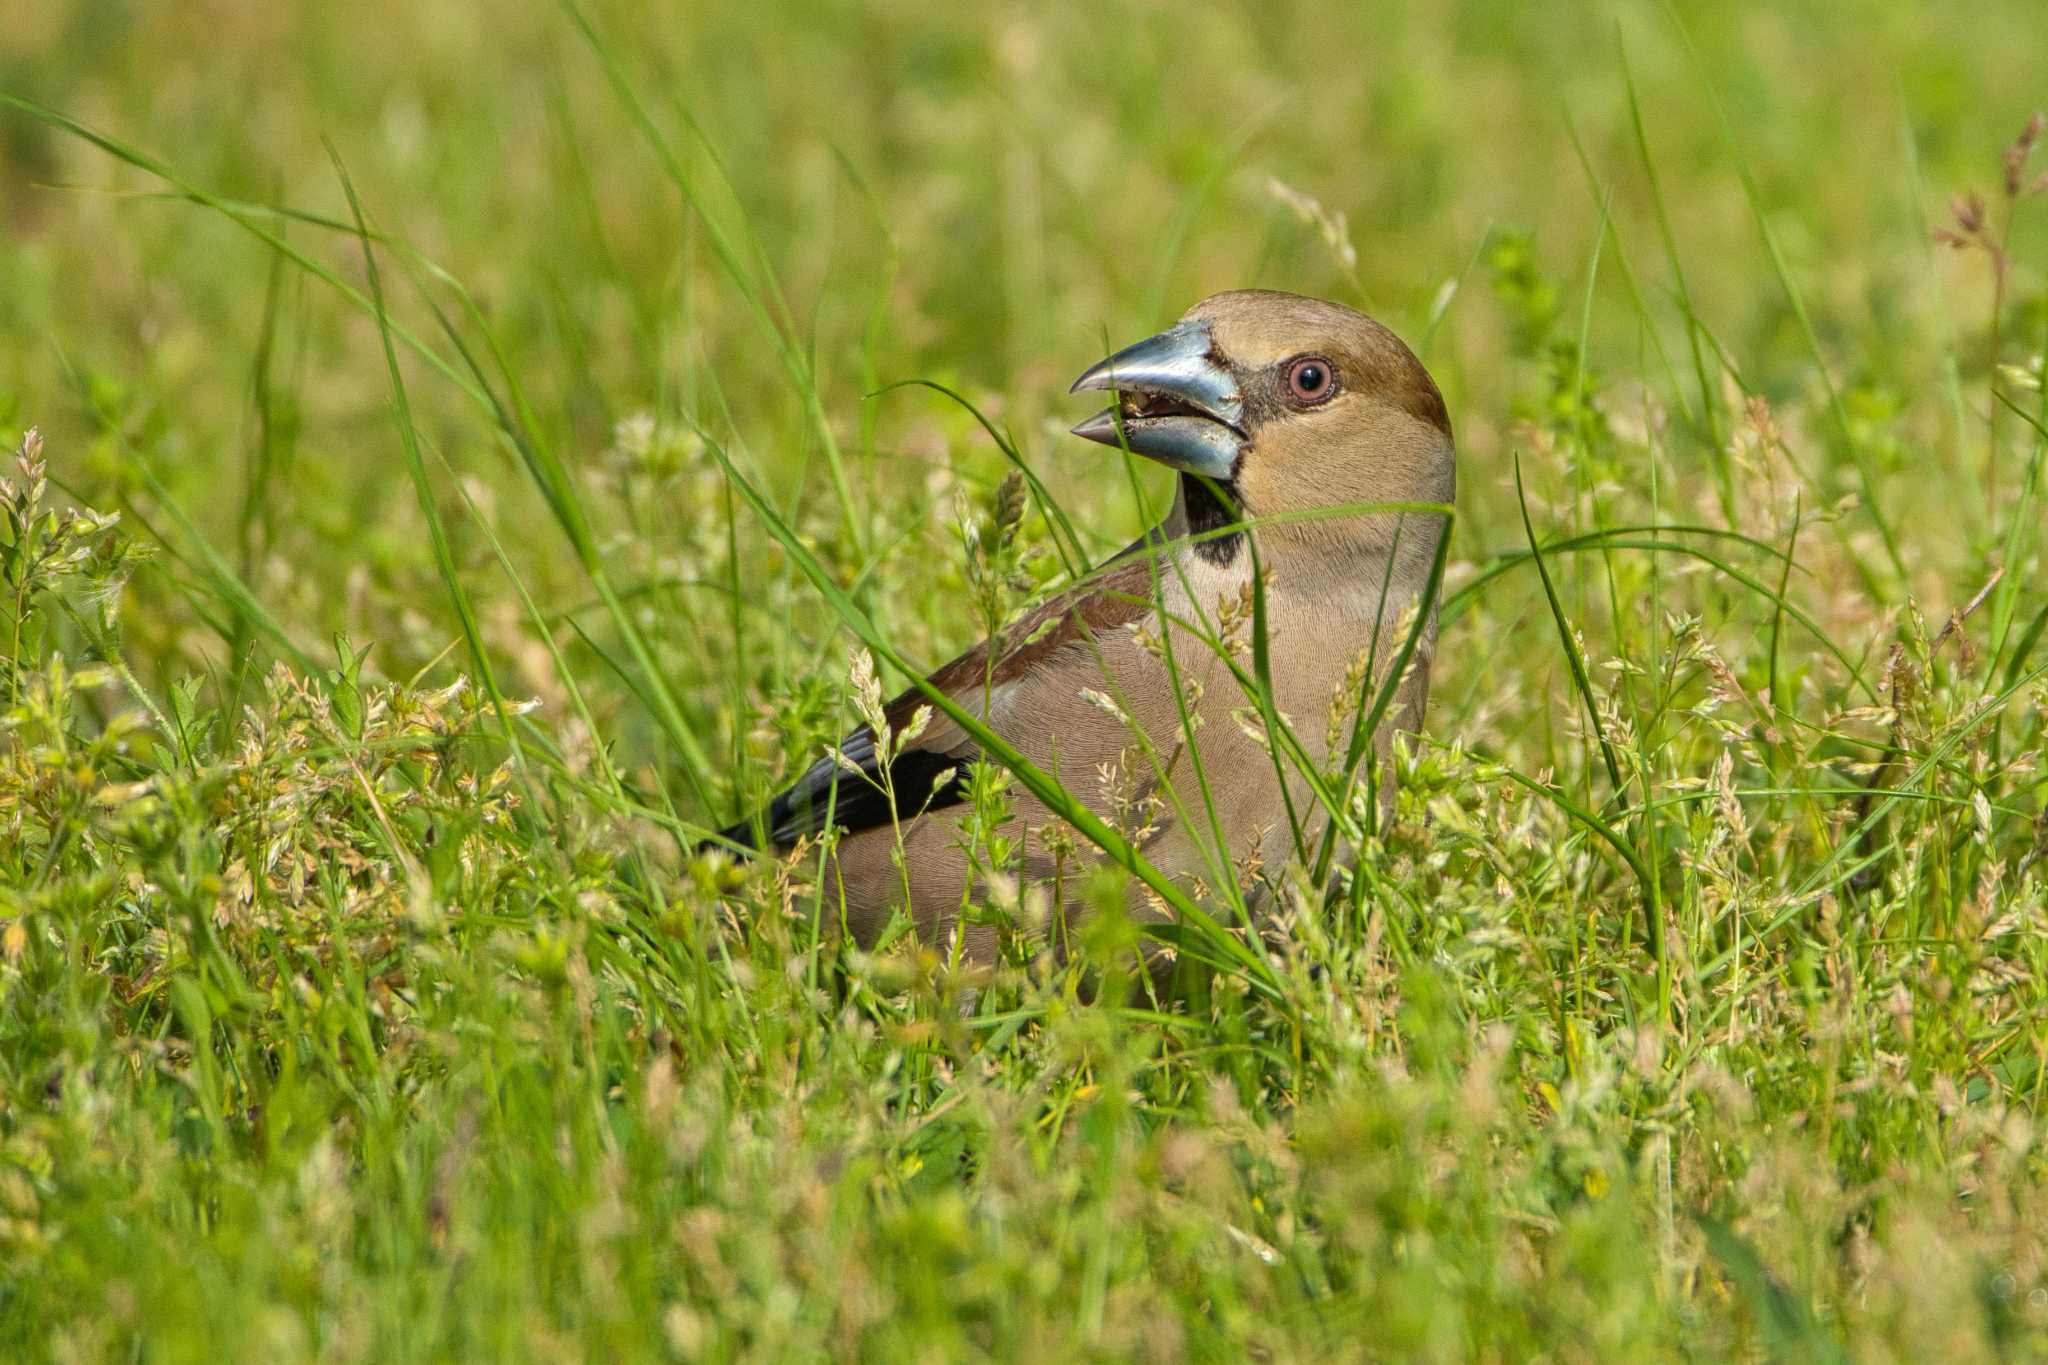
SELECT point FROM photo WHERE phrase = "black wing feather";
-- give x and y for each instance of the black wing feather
(919, 780)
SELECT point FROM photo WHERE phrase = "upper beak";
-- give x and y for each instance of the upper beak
(1175, 403)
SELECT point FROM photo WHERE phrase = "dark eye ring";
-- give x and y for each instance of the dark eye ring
(1311, 379)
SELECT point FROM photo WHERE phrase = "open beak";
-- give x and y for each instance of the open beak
(1176, 403)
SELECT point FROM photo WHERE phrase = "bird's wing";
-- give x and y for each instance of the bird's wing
(989, 680)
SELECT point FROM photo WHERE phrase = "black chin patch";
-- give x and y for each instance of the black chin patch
(1208, 512)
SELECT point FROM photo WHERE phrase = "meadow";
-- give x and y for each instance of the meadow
(459, 455)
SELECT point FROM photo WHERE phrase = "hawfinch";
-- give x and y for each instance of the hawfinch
(1275, 409)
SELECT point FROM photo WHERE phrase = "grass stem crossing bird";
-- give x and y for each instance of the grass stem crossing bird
(1288, 420)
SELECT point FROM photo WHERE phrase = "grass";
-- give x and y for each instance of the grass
(467, 447)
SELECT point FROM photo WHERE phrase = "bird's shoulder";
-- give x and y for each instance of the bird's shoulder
(1074, 622)
(868, 782)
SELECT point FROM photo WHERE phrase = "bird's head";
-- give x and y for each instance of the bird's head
(1290, 405)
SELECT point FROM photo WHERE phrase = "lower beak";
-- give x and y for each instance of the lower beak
(1176, 403)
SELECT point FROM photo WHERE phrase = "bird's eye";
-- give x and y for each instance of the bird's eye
(1310, 379)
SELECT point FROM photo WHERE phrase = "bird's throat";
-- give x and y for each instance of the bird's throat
(1206, 513)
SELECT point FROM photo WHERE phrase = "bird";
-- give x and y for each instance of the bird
(1278, 412)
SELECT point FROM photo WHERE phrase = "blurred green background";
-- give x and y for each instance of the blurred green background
(981, 195)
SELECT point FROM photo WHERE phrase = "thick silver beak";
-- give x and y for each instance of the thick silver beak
(1175, 403)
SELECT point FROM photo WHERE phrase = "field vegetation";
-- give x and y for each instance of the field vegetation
(458, 455)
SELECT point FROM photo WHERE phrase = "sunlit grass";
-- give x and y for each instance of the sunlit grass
(513, 423)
